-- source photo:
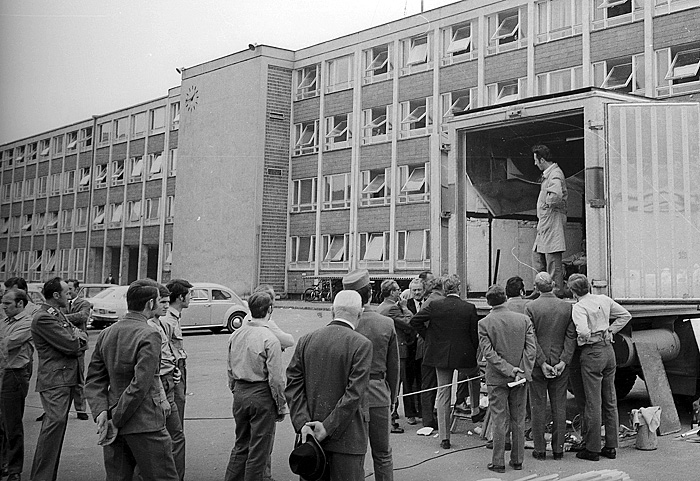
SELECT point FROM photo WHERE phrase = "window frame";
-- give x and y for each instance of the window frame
(134, 212)
(416, 54)
(413, 123)
(328, 241)
(56, 180)
(154, 160)
(376, 68)
(406, 174)
(332, 124)
(573, 25)
(307, 81)
(296, 203)
(311, 146)
(329, 182)
(335, 84)
(151, 215)
(517, 38)
(86, 134)
(372, 123)
(295, 247)
(116, 172)
(372, 195)
(57, 142)
(152, 118)
(543, 81)
(85, 179)
(80, 218)
(116, 214)
(448, 105)
(52, 222)
(66, 222)
(42, 186)
(101, 174)
(69, 181)
(136, 168)
(104, 132)
(172, 162)
(169, 209)
(452, 55)
(497, 93)
(403, 242)
(373, 249)
(29, 188)
(72, 141)
(604, 13)
(174, 115)
(98, 216)
(635, 80)
(663, 60)
(121, 129)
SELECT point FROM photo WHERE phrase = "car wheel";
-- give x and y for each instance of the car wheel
(235, 321)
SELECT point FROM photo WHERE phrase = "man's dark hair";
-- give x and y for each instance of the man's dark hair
(52, 286)
(514, 286)
(17, 282)
(424, 275)
(365, 293)
(578, 283)
(163, 291)
(495, 296)
(19, 295)
(139, 293)
(258, 303)
(178, 288)
(542, 152)
(76, 282)
(388, 287)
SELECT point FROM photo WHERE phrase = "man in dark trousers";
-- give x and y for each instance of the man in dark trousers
(451, 343)
(327, 382)
(384, 374)
(125, 393)
(556, 341)
(58, 344)
(507, 341)
(78, 313)
(415, 298)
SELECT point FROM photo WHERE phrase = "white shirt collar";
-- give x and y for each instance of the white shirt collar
(346, 322)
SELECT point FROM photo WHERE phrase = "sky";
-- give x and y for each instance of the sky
(63, 61)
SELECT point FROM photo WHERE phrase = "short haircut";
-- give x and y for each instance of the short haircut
(451, 284)
(163, 291)
(578, 283)
(140, 292)
(18, 295)
(435, 284)
(424, 275)
(388, 287)
(76, 282)
(544, 282)
(514, 286)
(178, 288)
(417, 282)
(347, 304)
(259, 302)
(51, 286)
(542, 152)
(17, 282)
(268, 289)
(495, 296)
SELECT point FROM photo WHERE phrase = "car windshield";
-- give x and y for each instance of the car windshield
(112, 292)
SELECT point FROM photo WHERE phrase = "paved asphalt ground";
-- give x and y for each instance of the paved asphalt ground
(209, 429)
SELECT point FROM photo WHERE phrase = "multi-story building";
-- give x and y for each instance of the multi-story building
(308, 163)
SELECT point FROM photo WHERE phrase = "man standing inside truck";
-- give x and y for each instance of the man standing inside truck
(550, 242)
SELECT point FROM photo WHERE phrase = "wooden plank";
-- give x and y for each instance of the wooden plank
(658, 387)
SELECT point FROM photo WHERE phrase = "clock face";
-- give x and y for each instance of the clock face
(192, 98)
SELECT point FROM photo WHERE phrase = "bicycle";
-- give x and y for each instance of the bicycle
(319, 292)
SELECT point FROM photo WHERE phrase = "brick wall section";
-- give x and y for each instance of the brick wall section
(69, 163)
(670, 30)
(374, 219)
(153, 188)
(416, 86)
(302, 224)
(304, 166)
(137, 147)
(413, 216)
(559, 54)
(622, 41)
(336, 161)
(375, 156)
(335, 221)
(102, 156)
(172, 141)
(413, 151)
(338, 103)
(505, 66)
(151, 235)
(156, 143)
(85, 159)
(133, 191)
(119, 151)
(304, 110)
(114, 237)
(273, 232)
(377, 94)
(131, 236)
(458, 76)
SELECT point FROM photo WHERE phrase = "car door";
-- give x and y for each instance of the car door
(199, 311)
(221, 300)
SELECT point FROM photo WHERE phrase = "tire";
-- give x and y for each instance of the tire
(235, 321)
(311, 294)
(624, 382)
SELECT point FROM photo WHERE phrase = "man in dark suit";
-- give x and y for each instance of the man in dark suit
(451, 343)
(384, 374)
(332, 404)
(78, 312)
(507, 340)
(415, 298)
(556, 341)
(58, 344)
(124, 391)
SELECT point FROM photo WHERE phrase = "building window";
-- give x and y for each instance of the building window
(69, 181)
(6, 192)
(49, 262)
(667, 6)
(157, 120)
(338, 131)
(457, 101)
(67, 220)
(374, 249)
(559, 81)
(625, 74)
(72, 141)
(98, 216)
(457, 43)
(558, 19)
(39, 222)
(153, 209)
(376, 124)
(29, 188)
(607, 13)
(508, 91)
(340, 74)
(167, 256)
(336, 191)
(376, 187)
(27, 223)
(306, 137)
(64, 262)
(175, 115)
(172, 162)
(678, 70)
(302, 251)
(58, 145)
(115, 214)
(304, 193)
(5, 226)
(416, 117)
(416, 54)
(79, 263)
(138, 124)
(413, 180)
(335, 250)
(117, 172)
(86, 138)
(42, 186)
(17, 190)
(120, 128)
(507, 30)
(44, 147)
(169, 208)
(155, 166)
(56, 183)
(52, 221)
(377, 63)
(104, 132)
(31, 152)
(85, 177)
(133, 212)
(81, 217)
(136, 169)
(307, 82)
(101, 176)
(16, 224)
(19, 154)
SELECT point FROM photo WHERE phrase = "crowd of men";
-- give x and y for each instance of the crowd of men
(341, 387)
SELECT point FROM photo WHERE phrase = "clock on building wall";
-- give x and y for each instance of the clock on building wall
(192, 98)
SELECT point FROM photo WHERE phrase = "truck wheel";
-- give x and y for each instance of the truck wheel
(624, 382)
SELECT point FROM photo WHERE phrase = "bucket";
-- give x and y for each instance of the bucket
(646, 439)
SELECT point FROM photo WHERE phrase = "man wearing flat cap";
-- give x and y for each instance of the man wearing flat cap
(384, 374)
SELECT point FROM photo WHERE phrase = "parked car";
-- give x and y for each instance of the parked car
(34, 292)
(91, 290)
(212, 306)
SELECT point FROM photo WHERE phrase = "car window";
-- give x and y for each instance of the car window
(199, 295)
(219, 295)
(36, 297)
(105, 293)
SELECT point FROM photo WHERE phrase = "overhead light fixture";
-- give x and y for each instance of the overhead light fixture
(252, 46)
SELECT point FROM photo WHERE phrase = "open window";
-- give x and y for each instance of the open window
(413, 180)
(306, 137)
(412, 248)
(27, 223)
(458, 101)
(507, 30)
(101, 175)
(607, 13)
(39, 221)
(416, 117)
(174, 115)
(136, 169)
(416, 54)
(307, 82)
(304, 195)
(508, 91)
(376, 187)
(116, 212)
(335, 250)
(152, 209)
(98, 216)
(52, 221)
(374, 249)
(44, 147)
(376, 124)
(377, 63)
(340, 73)
(336, 191)
(72, 141)
(625, 74)
(678, 70)
(685, 66)
(457, 43)
(117, 177)
(19, 154)
(133, 212)
(338, 131)
(31, 152)
(155, 166)
(86, 138)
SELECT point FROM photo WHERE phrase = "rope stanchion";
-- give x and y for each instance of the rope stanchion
(444, 385)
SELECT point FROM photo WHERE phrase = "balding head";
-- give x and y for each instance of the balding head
(347, 305)
(544, 282)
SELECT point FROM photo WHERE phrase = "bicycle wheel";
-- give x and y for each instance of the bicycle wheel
(311, 294)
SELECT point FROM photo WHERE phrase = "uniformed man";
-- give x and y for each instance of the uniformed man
(78, 313)
(58, 345)
(179, 300)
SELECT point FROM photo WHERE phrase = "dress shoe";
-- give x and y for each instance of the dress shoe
(412, 421)
(14, 477)
(396, 429)
(589, 455)
(496, 468)
(539, 455)
(478, 417)
(489, 445)
(558, 456)
(445, 444)
(609, 453)
(41, 418)
(516, 466)
(463, 408)
(577, 447)
(83, 416)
